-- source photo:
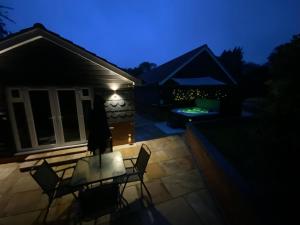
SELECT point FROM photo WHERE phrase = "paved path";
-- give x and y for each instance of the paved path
(147, 128)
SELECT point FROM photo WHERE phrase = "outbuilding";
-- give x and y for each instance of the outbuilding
(47, 87)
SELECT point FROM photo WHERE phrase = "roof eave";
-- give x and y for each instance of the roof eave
(36, 32)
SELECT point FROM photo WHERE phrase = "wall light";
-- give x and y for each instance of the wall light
(114, 86)
(115, 96)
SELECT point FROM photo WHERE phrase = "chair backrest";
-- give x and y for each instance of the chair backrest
(142, 159)
(45, 176)
(98, 201)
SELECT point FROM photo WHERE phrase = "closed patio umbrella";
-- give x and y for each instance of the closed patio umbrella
(99, 133)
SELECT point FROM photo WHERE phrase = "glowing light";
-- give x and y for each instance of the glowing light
(193, 110)
(114, 86)
(180, 95)
(129, 139)
(115, 97)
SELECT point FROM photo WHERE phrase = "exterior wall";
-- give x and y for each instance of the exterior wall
(120, 112)
(5, 131)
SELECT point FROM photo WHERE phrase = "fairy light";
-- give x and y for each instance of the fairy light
(180, 95)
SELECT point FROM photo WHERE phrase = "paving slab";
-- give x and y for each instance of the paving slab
(25, 183)
(8, 183)
(155, 171)
(158, 191)
(131, 194)
(203, 204)
(158, 156)
(178, 165)
(176, 212)
(183, 183)
(21, 219)
(7, 169)
(23, 202)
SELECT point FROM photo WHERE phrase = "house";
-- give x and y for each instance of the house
(47, 87)
(179, 82)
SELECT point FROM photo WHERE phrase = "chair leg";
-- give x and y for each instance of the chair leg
(124, 186)
(47, 211)
(142, 183)
(141, 189)
(74, 195)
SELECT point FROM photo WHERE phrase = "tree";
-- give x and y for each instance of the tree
(284, 96)
(142, 68)
(253, 80)
(280, 124)
(233, 61)
(3, 17)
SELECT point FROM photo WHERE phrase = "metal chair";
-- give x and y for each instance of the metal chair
(99, 201)
(136, 172)
(53, 185)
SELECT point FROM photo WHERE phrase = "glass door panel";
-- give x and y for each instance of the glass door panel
(87, 108)
(22, 124)
(42, 117)
(69, 115)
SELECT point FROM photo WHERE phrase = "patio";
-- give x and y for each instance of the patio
(177, 187)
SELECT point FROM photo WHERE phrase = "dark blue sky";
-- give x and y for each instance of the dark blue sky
(128, 32)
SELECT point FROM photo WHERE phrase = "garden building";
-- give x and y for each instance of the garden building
(194, 78)
(47, 87)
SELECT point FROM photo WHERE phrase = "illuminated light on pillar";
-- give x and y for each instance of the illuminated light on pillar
(129, 139)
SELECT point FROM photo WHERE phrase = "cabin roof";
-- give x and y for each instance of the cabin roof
(38, 32)
(168, 70)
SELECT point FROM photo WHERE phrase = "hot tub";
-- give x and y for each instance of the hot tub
(180, 116)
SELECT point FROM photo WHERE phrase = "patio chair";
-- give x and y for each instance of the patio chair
(53, 185)
(99, 201)
(138, 168)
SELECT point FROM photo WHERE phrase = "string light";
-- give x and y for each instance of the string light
(180, 95)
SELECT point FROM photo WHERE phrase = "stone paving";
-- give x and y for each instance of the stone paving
(177, 187)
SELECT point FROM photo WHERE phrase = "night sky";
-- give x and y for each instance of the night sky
(128, 32)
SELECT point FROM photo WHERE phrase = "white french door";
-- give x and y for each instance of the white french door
(47, 118)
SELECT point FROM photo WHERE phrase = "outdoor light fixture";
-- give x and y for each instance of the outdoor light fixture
(129, 139)
(114, 86)
(115, 97)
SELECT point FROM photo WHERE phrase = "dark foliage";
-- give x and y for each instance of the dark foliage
(3, 17)
(251, 77)
(253, 80)
(280, 125)
(233, 61)
(142, 68)
(283, 106)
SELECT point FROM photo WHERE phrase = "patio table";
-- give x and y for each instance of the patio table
(88, 170)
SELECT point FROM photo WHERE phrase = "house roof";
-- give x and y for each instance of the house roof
(166, 71)
(38, 31)
(201, 81)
